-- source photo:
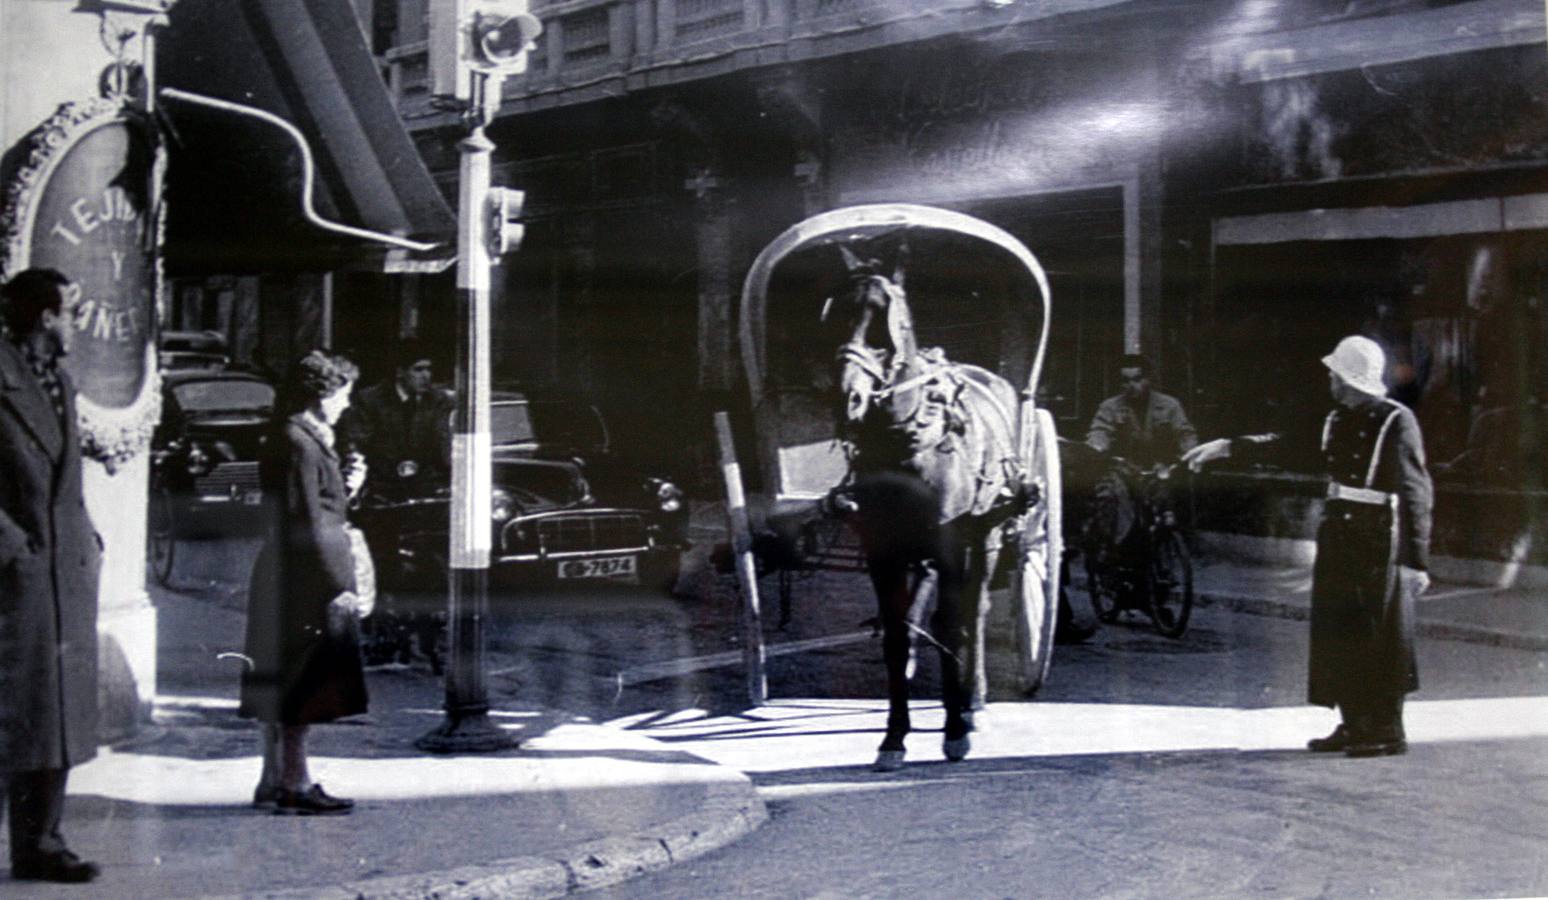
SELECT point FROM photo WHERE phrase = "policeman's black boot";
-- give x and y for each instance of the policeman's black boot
(1335, 742)
(1385, 735)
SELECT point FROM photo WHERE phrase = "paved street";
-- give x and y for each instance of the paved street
(1145, 767)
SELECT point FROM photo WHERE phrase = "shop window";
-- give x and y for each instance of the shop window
(1460, 318)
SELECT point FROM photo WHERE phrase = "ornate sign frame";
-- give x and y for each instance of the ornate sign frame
(112, 435)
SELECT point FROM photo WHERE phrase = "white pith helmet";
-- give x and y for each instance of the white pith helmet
(1360, 362)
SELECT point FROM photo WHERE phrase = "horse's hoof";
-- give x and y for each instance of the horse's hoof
(956, 749)
(888, 761)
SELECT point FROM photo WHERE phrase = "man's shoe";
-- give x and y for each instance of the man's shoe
(64, 867)
(1333, 743)
(313, 801)
(1395, 747)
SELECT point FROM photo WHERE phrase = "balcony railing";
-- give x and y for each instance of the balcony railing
(589, 44)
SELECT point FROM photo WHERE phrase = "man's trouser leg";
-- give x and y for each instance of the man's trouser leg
(35, 804)
(1112, 514)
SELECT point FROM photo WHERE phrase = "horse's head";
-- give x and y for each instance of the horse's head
(872, 317)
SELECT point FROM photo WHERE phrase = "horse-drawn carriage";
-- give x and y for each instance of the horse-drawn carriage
(930, 454)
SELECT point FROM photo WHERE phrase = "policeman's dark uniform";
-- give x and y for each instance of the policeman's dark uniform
(1377, 518)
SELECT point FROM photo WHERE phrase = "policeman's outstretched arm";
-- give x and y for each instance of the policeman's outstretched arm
(1219, 448)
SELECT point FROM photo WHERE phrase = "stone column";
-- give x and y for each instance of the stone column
(808, 172)
(712, 227)
(126, 620)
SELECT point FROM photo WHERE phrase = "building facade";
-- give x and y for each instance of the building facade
(1227, 187)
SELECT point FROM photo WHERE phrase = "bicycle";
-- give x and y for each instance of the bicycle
(1151, 570)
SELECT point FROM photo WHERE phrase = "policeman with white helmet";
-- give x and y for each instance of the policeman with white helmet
(1372, 550)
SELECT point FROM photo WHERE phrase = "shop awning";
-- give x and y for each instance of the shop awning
(285, 150)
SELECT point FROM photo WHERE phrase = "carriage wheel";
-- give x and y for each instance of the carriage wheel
(1171, 585)
(1035, 579)
(163, 540)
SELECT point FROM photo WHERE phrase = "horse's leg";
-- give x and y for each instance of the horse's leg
(954, 641)
(984, 557)
(890, 579)
(923, 591)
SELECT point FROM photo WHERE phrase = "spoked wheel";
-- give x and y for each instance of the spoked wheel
(1035, 578)
(1171, 585)
(163, 540)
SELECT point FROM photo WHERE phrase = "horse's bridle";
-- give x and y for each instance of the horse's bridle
(865, 358)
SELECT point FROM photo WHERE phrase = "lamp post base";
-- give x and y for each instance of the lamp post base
(469, 733)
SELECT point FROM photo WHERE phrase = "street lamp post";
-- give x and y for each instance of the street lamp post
(490, 41)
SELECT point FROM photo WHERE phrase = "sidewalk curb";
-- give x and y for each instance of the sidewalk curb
(731, 811)
(1444, 631)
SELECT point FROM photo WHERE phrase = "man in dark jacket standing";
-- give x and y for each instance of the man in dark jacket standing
(1372, 552)
(50, 556)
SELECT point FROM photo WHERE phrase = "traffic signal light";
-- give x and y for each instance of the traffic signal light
(487, 36)
(505, 223)
(500, 34)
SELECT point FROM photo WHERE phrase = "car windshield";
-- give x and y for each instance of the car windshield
(209, 396)
(535, 486)
(559, 423)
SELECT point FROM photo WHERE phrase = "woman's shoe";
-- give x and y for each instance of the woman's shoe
(265, 797)
(313, 801)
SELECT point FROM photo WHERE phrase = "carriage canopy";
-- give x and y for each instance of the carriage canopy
(975, 290)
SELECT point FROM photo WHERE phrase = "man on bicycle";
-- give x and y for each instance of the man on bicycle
(1143, 427)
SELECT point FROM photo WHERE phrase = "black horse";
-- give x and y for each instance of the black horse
(934, 478)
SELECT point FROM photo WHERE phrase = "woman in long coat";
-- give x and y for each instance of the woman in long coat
(301, 638)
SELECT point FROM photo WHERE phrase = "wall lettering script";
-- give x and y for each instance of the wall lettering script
(84, 204)
(91, 224)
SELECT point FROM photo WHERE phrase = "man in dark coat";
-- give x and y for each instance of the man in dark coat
(50, 557)
(1372, 552)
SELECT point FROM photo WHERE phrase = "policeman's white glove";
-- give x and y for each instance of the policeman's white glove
(1415, 581)
(1219, 448)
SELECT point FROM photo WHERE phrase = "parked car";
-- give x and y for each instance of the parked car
(204, 458)
(182, 350)
(565, 508)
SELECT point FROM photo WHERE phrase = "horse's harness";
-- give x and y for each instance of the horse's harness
(1001, 466)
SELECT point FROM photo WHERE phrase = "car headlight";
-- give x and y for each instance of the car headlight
(669, 496)
(501, 506)
(198, 462)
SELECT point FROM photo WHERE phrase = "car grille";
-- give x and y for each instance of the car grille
(228, 479)
(582, 534)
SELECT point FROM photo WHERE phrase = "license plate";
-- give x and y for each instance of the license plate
(604, 567)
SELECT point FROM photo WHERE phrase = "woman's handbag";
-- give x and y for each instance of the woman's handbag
(365, 572)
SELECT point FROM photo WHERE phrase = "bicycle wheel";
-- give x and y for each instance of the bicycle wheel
(1171, 584)
(1102, 587)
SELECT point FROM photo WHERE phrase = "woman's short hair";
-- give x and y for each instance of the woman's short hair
(317, 375)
